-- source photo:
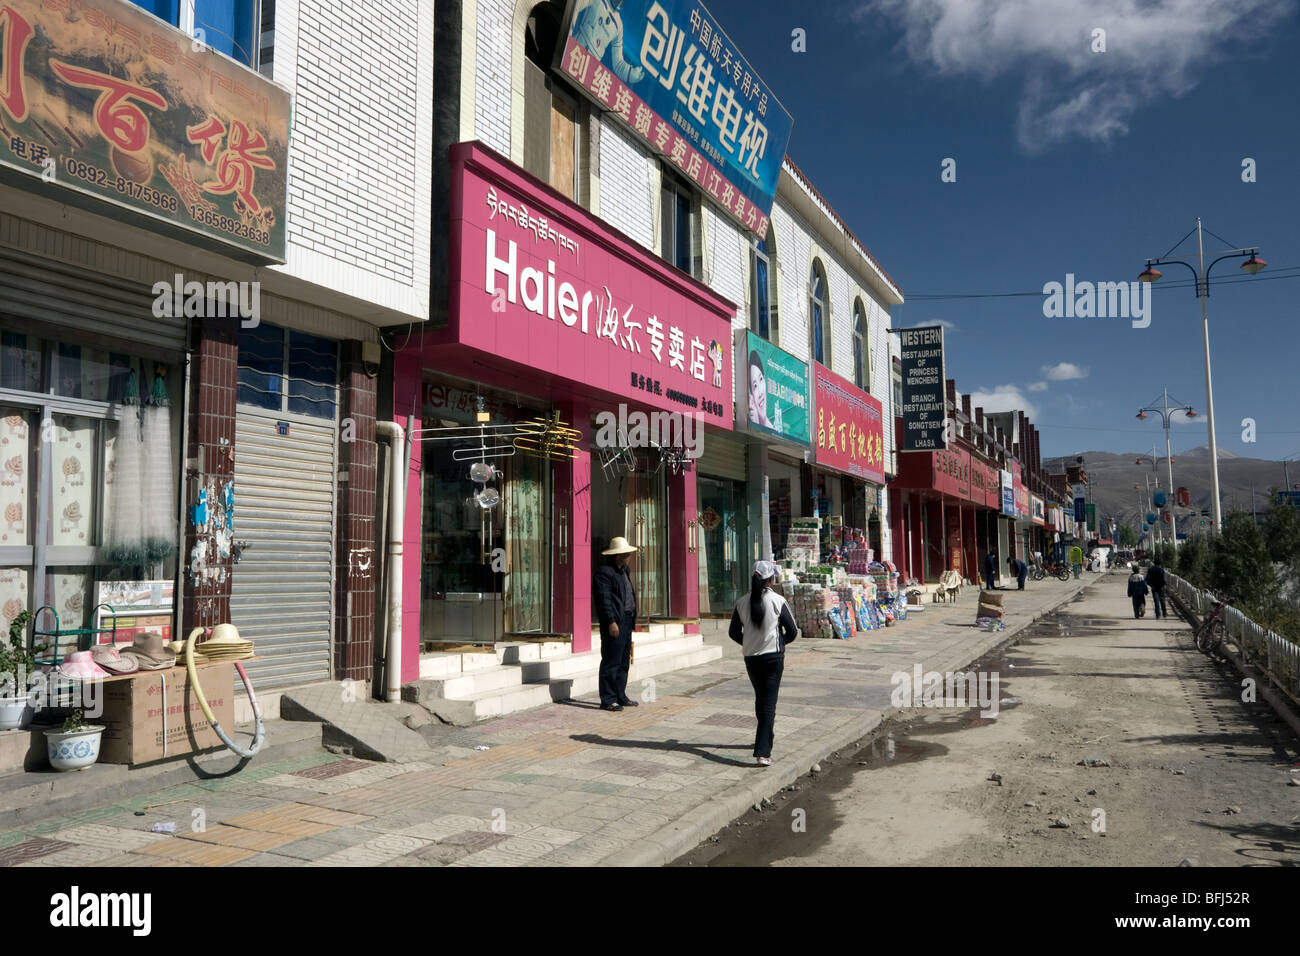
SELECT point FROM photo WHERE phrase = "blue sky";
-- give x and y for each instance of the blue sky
(1067, 161)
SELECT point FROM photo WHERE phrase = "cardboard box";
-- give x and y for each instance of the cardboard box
(991, 597)
(135, 715)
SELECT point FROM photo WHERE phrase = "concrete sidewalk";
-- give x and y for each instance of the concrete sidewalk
(565, 784)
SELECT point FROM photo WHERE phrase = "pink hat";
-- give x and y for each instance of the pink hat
(81, 666)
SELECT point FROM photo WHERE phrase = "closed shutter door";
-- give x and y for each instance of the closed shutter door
(722, 457)
(282, 590)
(94, 303)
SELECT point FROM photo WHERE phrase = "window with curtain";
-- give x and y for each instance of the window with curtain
(763, 312)
(861, 348)
(678, 225)
(229, 26)
(818, 320)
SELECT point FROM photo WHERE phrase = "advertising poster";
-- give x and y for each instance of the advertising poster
(667, 70)
(101, 98)
(773, 393)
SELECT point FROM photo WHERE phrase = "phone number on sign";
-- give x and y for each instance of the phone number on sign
(230, 225)
(127, 187)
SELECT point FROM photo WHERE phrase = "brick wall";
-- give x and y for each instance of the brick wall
(211, 439)
(355, 552)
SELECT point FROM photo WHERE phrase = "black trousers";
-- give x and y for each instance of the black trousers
(988, 581)
(1158, 599)
(615, 658)
(1138, 603)
(1020, 579)
(765, 672)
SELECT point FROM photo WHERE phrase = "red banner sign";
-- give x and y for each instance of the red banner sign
(850, 436)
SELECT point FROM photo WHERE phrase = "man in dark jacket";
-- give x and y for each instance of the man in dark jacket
(1156, 582)
(615, 601)
(1137, 590)
(990, 569)
(1020, 570)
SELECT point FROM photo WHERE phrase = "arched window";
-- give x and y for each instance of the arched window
(552, 114)
(819, 315)
(763, 311)
(861, 348)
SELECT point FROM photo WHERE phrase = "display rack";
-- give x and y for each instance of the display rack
(74, 632)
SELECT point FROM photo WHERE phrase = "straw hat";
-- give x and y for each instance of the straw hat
(81, 666)
(225, 644)
(619, 546)
(151, 652)
(107, 657)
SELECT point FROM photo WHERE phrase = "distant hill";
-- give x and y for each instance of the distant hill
(1113, 477)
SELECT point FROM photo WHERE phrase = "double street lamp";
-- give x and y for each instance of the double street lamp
(1165, 411)
(1251, 266)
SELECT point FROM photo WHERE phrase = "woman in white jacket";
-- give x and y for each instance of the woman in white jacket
(763, 625)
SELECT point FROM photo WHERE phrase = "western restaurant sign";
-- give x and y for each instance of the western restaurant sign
(106, 100)
(666, 69)
(544, 285)
(849, 428)
(925, 406)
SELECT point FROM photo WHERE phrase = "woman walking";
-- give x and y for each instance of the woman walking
(763, 625)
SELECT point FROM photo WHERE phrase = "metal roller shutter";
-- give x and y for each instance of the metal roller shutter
(42, 290)
(722, 457)
(282, 589)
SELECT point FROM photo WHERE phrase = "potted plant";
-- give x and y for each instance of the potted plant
(17, 665)
(76, 746)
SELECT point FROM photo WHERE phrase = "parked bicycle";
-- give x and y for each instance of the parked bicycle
(1209, 636)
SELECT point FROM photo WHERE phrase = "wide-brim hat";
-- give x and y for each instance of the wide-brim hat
(619, 546)
(79, 665)
(108, 657)
(151, 652)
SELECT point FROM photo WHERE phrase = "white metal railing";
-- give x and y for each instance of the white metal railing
(1272, 653)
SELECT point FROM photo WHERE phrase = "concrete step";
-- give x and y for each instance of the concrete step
(656, 630)
(574, 676)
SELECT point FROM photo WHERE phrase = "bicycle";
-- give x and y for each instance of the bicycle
(1209, 636)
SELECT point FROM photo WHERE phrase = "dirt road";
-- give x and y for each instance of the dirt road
(1115, 743)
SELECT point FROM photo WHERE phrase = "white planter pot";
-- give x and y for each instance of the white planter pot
(16, 712)
(73, 751)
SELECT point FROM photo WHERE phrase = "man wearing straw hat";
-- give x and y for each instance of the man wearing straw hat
(615, 601)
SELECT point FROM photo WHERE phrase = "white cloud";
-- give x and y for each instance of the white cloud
(1064, 372)
(1154, 49)
(1037, 386)
(1003, 398)
(948, 327)
(1180, 418)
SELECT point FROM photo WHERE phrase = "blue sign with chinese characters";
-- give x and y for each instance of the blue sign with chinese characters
(670, 73)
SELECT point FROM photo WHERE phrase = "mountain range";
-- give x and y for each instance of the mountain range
(1113, 478)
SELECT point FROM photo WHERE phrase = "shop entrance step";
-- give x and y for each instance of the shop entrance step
(466, 697)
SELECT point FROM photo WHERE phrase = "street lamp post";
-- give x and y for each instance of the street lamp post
(1251, 266)
(1166, 411)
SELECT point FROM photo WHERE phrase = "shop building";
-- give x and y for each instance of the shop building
(586, 191)
(190, 305)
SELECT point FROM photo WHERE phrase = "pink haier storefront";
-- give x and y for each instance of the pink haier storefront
(579, 368)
